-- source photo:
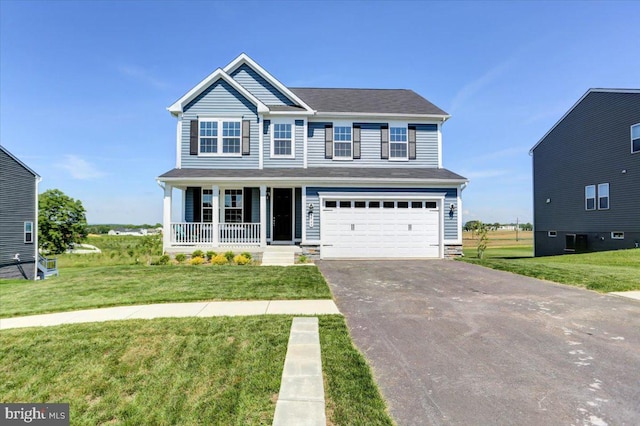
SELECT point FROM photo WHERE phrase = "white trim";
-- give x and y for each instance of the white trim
(439, 144)
(179, 142)
(177, 107)
(243, 58)
(303, 193)
(405, 126)
(263, 215)
(319, 181)
(260, 141)
(608, 196)
(552, 234)
(291, 123)
(631, 135)
(290, 113)
(619, 236)
(385, 116)
(24, 231)
(305, 141)
(215, 205)
(166, 216)
(344, 124)
(595, 198)
(219, 138)
(598, 90)
(35, 224)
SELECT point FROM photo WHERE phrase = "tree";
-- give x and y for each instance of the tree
(61, 221)
(472, 225)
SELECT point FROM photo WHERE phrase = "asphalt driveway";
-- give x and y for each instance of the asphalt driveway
(455, 343)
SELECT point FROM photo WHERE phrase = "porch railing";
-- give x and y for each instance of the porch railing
(187, 234)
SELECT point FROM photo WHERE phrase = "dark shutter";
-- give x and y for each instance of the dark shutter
(328, 141)
(246, 137)
(246, 204)
(384, 142)
(265, 126)
(193, 137)
(197, 204)
(412, 142)
(356, 142)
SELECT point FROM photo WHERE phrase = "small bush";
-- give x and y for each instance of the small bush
(163, 260)
(241, 260)
(229, 255)
(247, 255)
(196, 260)
(197, 253)
(211, 255)
(303, 259)
(181, 257)
(219, 259)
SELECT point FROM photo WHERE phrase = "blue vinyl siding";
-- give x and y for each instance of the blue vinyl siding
(426, 147)
(259, 87)
(450, 223)
(298, 142)
(255, 205)
(220, 100)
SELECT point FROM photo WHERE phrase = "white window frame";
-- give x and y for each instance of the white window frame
(219, 138)
(617, 235)
(601, 186)
(586, 198)
(350, 142)
(29, 233)
(631, 129)
(552, 234)
(225, 208)
(406, 142)
(291, 123)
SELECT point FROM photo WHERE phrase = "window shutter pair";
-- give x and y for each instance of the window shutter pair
(246, 137)
(328, 142)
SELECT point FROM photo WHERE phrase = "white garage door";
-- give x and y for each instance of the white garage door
(356, 228)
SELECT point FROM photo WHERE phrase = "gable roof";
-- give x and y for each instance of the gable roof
(17, 160)
(178, 106)
(368, 101)
(592, 90)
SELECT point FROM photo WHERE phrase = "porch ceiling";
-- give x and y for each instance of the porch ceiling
(317, 173)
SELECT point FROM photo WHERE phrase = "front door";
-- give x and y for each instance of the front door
(282, 209)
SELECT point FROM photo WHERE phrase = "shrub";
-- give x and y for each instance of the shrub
(211, 255)
(247, 255)
(197, 253)
(241, 260)
(181, 257)
(196, 260)
(302, 258)
(229, 255)
(163, 260)
(219, 259)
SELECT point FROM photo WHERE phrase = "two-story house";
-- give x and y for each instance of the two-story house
(343, 173)
(18, 218)
(586, 176)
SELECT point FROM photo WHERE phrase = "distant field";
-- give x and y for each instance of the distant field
(499, 239)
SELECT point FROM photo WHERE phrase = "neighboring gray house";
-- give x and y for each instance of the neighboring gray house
(18, 218)
(586, 176)
(343, 173)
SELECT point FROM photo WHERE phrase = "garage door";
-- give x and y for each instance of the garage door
(356, 228)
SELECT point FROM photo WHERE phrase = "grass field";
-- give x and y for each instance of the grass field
(190, 371)
(603, 271)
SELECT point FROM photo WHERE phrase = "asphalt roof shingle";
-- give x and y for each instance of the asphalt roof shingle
(383, 101)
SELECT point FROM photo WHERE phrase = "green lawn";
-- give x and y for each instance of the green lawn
(603, 271)
(94, 287)
(189, 371)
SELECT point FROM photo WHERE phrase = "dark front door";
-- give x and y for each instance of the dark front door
(282, 207)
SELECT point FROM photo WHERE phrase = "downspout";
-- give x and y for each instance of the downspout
(35, 233)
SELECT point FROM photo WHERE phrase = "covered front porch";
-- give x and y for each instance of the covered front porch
(232, 216)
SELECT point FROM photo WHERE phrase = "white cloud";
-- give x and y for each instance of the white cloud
(80, 168)
(142, 75)
(475, 86)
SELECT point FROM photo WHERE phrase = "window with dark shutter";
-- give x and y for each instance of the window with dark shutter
(384, 142)
(193, 137)
(356, 142)
(328, 141)
(412, 142)
(246, 137)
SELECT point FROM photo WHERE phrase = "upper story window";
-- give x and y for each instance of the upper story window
(282, 145)
(590, 197)
(635, 138)
(398, 143)
(342, 142)
(219, 137)
(28, 232)
(603, 196)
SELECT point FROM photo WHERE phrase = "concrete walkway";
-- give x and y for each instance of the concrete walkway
(166, 310)
(628, 294)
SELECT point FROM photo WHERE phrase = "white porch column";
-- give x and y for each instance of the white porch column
(166, 216)
(263, 216)
(215, 203)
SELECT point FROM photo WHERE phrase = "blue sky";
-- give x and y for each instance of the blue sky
(84, 86)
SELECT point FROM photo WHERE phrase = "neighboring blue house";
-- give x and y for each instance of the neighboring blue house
(586, 176)
(18, 218)
(343, 173)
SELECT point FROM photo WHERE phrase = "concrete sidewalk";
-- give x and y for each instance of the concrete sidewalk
(166, 310)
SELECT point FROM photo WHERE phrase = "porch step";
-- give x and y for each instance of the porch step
(279, 255)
